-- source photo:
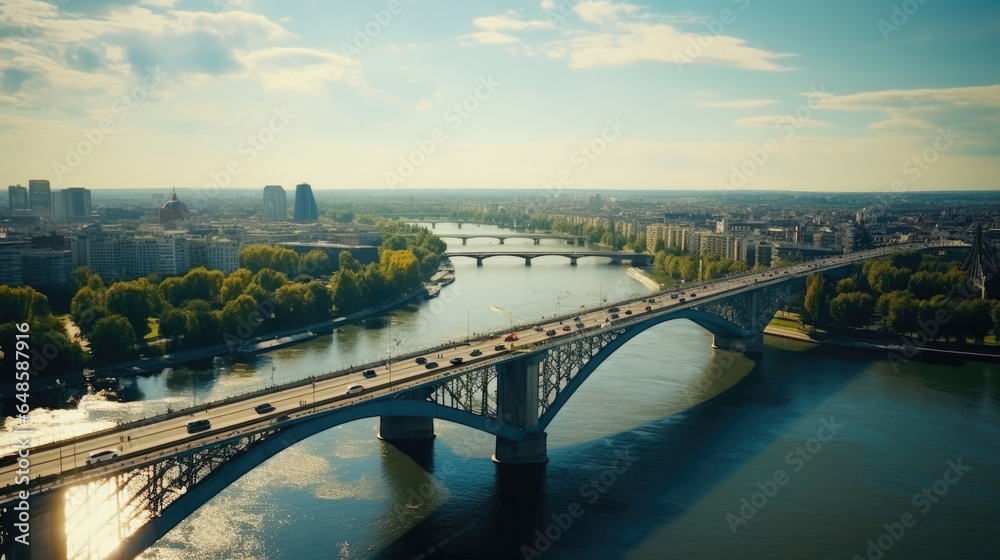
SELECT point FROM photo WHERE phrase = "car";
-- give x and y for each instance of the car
(673, 296)
(263, 408)
(101, 456)
(421, 360)
(355, 389)
(652, 300)
(196, 426)
(579, 325)
(567, 328)
(510, 337)
(369, 373)
(500, 347)
(682, 300)
(476, 352)
(539, 329)
(613, 310)
(694, 294)
(628, 311)
(577, 318)
(456, 361)
(649, 308)
(551, 332)
(614, 315)
(431, 365)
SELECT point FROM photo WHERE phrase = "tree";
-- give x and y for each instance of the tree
(926, 285)
(815, 299)
(112, 339)
(258, 257)
(886, 279)
(900, 311)
(85, 276)
(314, 263)
(908, 260)
(853, 309)
(270, 280)
(173, 322)
(136, 301)
(346, 261)
(235, 285)
(238, 313)
(847, 286)
(87, 307)
(346, 295)
(661, 245)
(974, 320)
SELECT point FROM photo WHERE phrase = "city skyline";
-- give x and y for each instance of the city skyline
(887, 96)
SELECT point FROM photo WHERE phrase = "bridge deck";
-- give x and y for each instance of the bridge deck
(63, 462)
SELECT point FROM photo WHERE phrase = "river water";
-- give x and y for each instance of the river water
(812, 453)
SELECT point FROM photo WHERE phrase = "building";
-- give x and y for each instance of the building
(71, 205)
(173, 210)
(222, 255)
(305, 204)
(10, 262)
(17, 197)
(275, 203)
(654, 233)
(40, 195)
(725, 246)
(47, 267)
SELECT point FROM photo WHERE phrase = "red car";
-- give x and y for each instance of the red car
(510, 337)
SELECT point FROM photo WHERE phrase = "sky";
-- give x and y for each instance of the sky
(720, 95)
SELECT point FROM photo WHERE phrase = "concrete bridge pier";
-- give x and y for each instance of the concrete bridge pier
(479, 261)
(394, 428)
(465, 241)
(537, 240)
(527, 261)
(572, 261)
(517, 405)
(47, 531)
(501, 240)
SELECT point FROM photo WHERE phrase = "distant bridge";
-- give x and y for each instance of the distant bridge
(536, 237)
(164, 472)
(617, 257)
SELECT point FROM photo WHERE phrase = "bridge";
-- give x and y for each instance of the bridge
(511, 390)
(616, 257)
(536, 237)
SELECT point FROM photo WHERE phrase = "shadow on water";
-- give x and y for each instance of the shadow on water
(663, 468)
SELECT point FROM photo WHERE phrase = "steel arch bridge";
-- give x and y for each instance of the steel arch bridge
(514, 398)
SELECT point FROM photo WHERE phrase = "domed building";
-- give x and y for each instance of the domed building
(173, 209)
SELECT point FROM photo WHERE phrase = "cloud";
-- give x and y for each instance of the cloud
(741, 104)
(974, 96)
(299, 69)
(900, 123)
(778, 120)
(602, 12)
(12, 79)
(487, 38)
(509, 21)
(624, 37)
(547, 5)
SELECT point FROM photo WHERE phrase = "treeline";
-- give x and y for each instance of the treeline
(681, 265)
(48, 346)
(911, 293)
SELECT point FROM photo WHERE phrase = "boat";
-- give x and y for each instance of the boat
(274, 343)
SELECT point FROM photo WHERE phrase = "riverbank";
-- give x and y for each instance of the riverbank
(901, 351)
(644, 279)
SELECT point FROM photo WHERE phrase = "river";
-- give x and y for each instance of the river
(813, 453)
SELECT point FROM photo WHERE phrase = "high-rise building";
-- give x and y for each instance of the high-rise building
(275, 203)
(71, 205)
(17, 197)
(40, 195)
(305, 204)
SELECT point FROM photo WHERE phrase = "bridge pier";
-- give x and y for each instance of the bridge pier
(527, 261)
(479, 261)
(392, 428)
(537, 240)
(572, 261)
(501, 240)
(465, 241)
(517, 405)
(47, 535)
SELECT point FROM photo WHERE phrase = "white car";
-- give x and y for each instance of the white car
(355, 389)
(101, 456)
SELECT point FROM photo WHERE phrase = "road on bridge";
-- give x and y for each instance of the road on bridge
(139, 443)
